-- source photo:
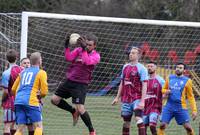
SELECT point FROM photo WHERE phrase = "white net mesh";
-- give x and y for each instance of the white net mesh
(163, 44)
(10, 26)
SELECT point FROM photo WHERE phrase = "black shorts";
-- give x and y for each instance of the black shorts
(72, 89)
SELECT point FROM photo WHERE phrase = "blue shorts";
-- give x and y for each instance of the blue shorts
(181, 115)
(152, 118)
(28, 121)
(27, 114)
(127, 109)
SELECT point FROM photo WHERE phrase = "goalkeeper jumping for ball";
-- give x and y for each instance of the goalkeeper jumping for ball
(132, 91)
(83, 61)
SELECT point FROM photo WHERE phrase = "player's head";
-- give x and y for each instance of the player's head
(180, 68)
(11, 56)
(91, 41)
(134, 54)
(151, 66)
(36, 59)
(25, 62)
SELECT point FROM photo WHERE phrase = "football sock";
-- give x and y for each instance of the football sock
(125, 131)
(141, 129)
(161, 132)
(8, 134)
(65, 106)
(38, 131)
(12, 131)
(30, 132)
(153, 130)
(190, 133)
(86, 119)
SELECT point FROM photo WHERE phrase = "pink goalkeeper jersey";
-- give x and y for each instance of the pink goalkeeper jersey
(82, 64)
(132, 78)
(153, 100)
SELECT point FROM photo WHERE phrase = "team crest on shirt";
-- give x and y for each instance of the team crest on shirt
(155, 85)
(133, 73)
(176, 84)
(181, 82)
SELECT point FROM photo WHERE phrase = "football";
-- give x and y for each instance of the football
(73, 38)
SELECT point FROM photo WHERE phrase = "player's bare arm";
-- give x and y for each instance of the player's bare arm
(116, 100)
(144, 91)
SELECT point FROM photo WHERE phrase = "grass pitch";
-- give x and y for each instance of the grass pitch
(106, 119)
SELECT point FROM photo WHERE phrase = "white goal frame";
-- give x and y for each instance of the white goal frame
(26, 15)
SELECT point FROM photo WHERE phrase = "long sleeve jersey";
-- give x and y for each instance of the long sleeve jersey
(82, 64)
(29, 83)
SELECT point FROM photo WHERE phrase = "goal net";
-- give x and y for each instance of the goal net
(165, 42)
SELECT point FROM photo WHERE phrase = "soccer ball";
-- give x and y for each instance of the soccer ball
(73, 38)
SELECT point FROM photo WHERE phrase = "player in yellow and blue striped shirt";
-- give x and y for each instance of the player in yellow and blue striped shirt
(29, 83)
(178, 88)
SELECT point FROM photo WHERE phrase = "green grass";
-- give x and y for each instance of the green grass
(106, 119)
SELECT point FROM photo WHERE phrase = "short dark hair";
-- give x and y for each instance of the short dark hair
(91, 37)
(152, 62)
(23, 59)
(181, 63)
(11, 55)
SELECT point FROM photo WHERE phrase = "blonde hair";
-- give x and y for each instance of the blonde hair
(35, 58)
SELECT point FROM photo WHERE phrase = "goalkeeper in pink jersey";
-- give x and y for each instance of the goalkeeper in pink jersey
(83, 61)
(132, 91)
(153, 100)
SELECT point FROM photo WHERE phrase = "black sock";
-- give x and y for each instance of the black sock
(30, 132)
(65, 106)
(153, 130)
(12, 131)
(86, 119)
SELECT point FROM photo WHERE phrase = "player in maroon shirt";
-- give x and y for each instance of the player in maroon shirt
(8, 78)
(132, 91)
(153, 100)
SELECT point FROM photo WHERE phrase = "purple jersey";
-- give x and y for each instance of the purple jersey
(8, 78)
(83, 63)
(132, 78)
(153, 100)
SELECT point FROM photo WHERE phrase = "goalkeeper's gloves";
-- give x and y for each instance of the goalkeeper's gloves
(67, 41)
(82, 43)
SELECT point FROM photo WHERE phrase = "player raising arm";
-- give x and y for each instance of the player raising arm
(83, 61)
(29, 83)
(132, 91)
(179, 88)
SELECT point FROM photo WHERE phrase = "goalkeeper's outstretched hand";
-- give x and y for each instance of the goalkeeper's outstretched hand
(82, 42)
(67, 41)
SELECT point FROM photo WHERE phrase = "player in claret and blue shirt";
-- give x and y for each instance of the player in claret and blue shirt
(132, 91)
(8, 78)
(178, 88)
(153, 100)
